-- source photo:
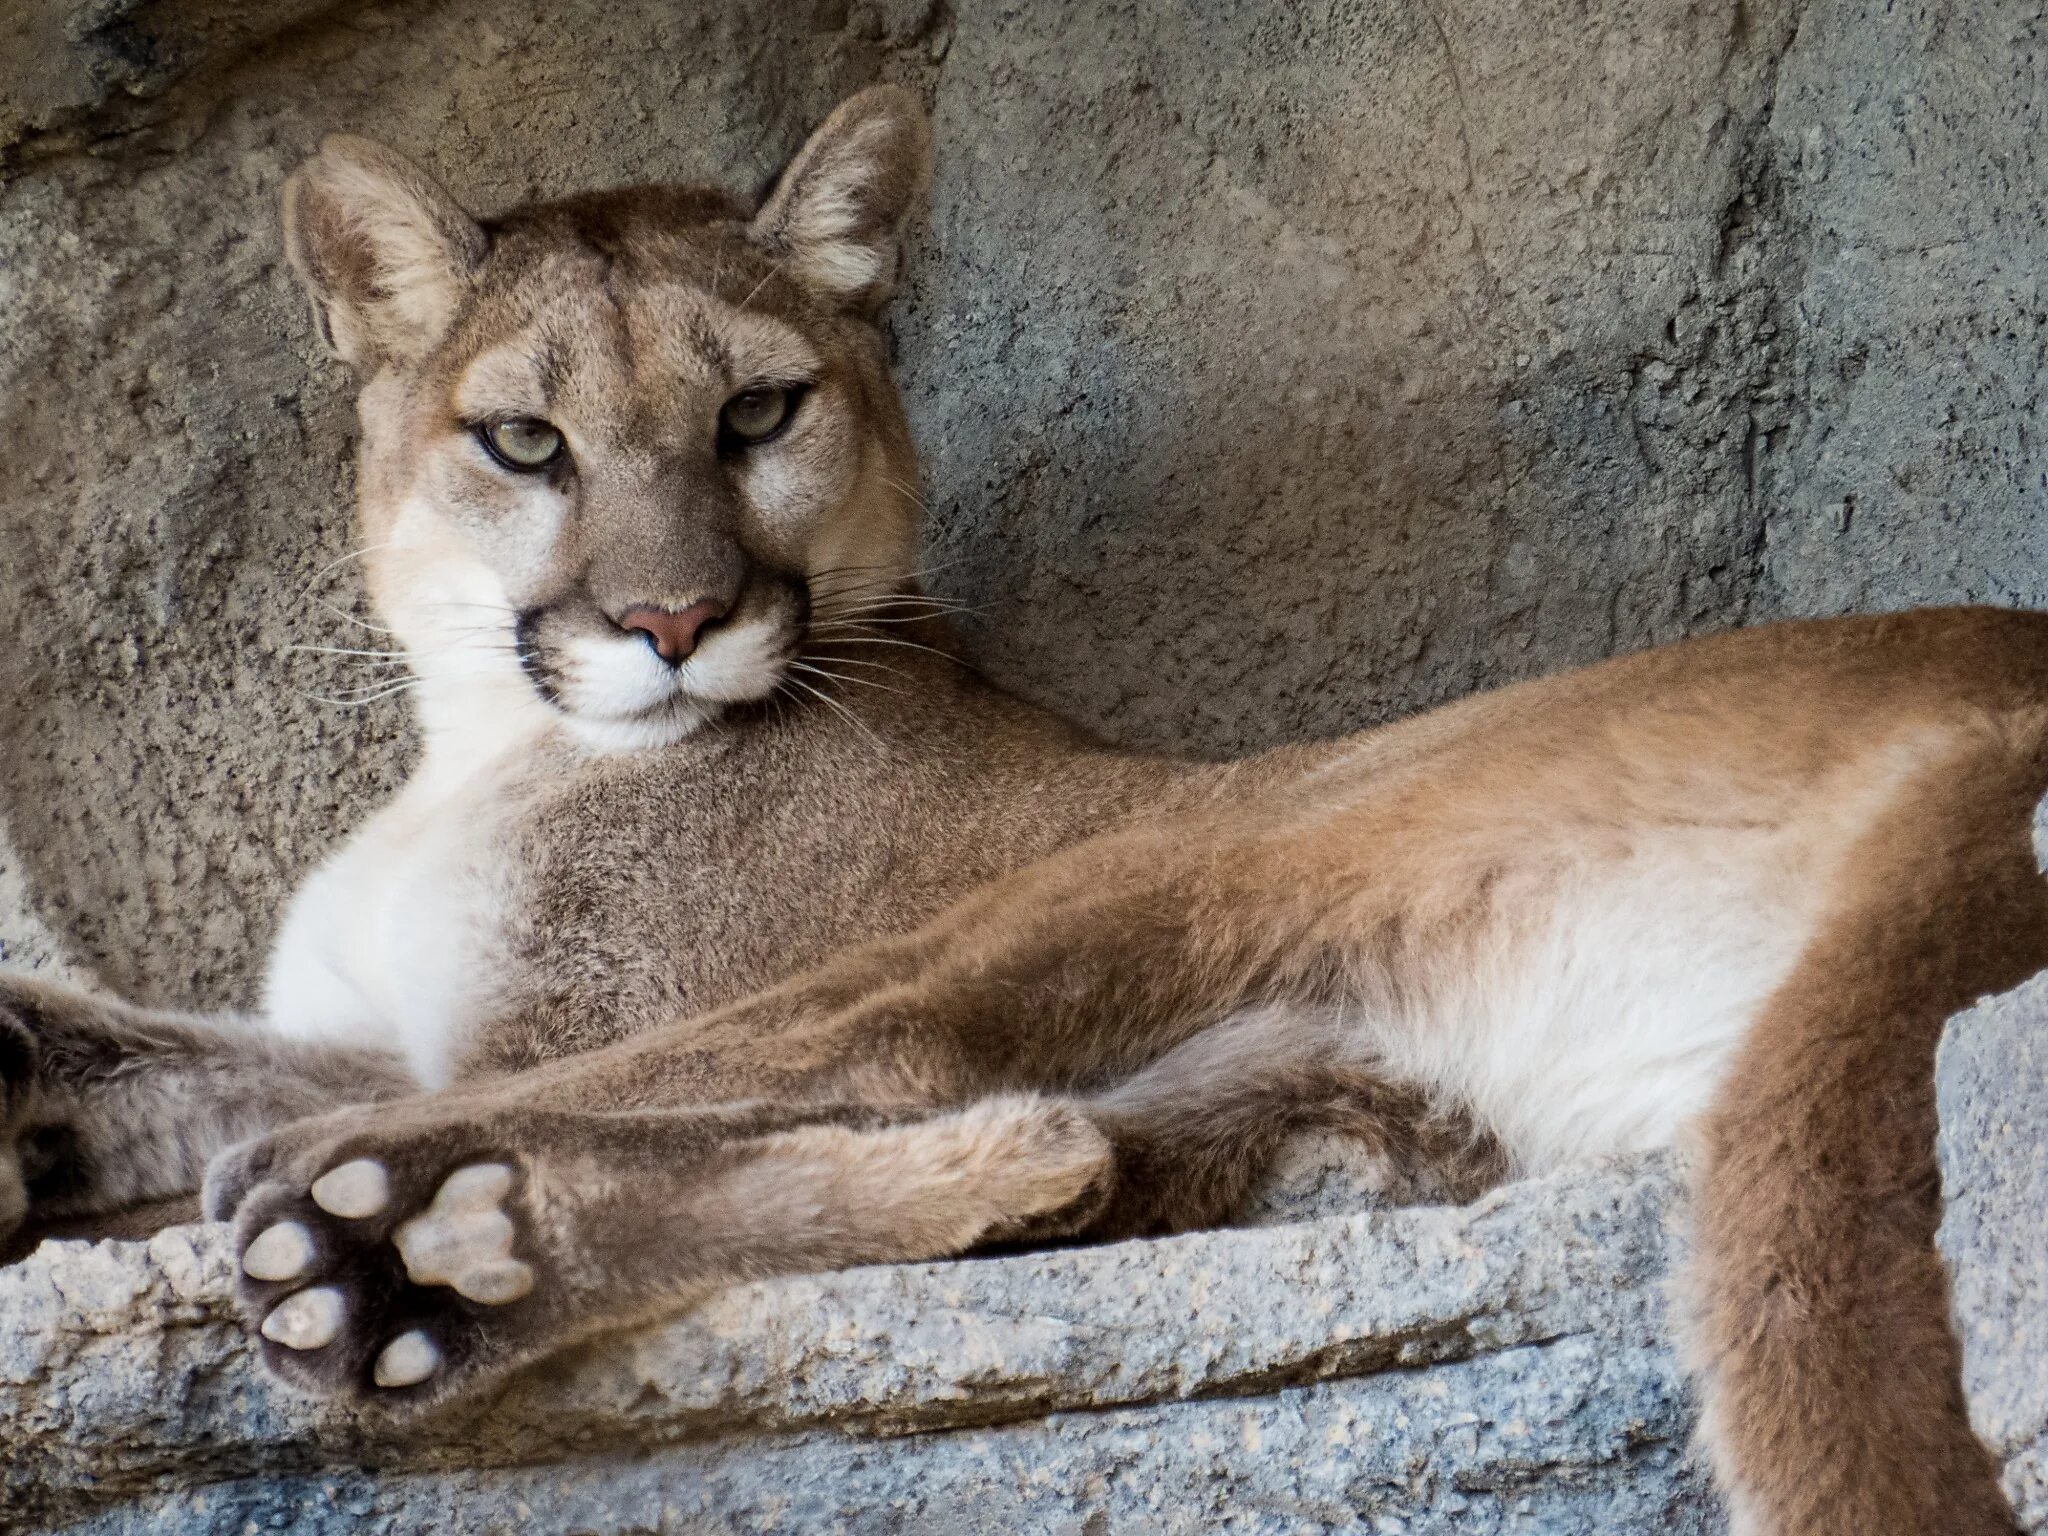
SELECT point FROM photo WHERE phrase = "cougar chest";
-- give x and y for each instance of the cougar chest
(397, 939)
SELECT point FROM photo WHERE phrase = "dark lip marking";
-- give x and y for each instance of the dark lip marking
(526, 646)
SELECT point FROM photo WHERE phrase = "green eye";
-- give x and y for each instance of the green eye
(757, 414)
(524, 443)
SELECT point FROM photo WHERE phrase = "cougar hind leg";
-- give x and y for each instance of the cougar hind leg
(1820, 1319)
(1194, 1130)
(106, 1107)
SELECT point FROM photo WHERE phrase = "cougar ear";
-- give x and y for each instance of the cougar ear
(384, 253)
(836, 216)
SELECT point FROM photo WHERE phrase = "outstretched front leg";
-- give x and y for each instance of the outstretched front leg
(408, 1253)
(405, 1255)
(105, 1106)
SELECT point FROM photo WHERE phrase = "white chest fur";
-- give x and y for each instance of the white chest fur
(395, 940)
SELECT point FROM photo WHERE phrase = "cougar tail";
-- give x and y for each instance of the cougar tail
(1820, 1320)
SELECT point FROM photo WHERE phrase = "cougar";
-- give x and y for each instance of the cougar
(730, 926)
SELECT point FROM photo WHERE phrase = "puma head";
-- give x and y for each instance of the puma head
(642, 432)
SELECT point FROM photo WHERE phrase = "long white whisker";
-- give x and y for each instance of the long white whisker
(916, 499)
(826, 699)
(875, 601)
(340, 560)
(890, 572)
(824, 571)
(387, 687)
(908, 645)
(840, 677)
(894, 612)
(863, 620)
(346, 617)
(872, 666)
(342, 650)
(751, 292)
(461, 641)
(358, 700)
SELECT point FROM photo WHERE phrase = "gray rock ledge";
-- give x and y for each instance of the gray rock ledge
(1494, 1367)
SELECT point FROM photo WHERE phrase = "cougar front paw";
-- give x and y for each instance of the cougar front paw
(383, 1267)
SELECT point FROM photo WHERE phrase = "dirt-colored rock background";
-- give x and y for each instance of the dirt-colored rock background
(1279, 368)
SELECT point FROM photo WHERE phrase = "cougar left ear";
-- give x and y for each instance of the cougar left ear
(835, 219)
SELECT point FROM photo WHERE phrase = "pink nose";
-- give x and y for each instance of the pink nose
(673, 634)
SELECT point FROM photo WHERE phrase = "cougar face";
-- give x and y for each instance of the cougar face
(637, 435)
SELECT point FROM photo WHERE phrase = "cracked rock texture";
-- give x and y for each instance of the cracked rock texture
(1278, 368)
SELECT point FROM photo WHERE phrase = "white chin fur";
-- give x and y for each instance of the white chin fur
(621, 697)
(659, 730)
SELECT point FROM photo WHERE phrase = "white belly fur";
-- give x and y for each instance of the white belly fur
(1602, 1016)
(1602, 1026)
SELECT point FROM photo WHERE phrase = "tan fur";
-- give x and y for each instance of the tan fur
(938, 1185)
(1836, 1400)
(768, 983)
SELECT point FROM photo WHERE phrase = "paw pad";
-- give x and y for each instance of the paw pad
(281, 1252)
(464, 1238)
(354, 1190)
(307, 1319)
(368, 1271)
(407, 1360)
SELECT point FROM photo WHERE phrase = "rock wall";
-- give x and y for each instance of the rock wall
(1278, 368)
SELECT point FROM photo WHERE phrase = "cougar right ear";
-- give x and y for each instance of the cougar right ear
(384, 253)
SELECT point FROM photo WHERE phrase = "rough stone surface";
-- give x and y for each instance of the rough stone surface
(1494, 1367)
(1993, 1080)
(26, 944)
(1279, 368)
(1390, 1455)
